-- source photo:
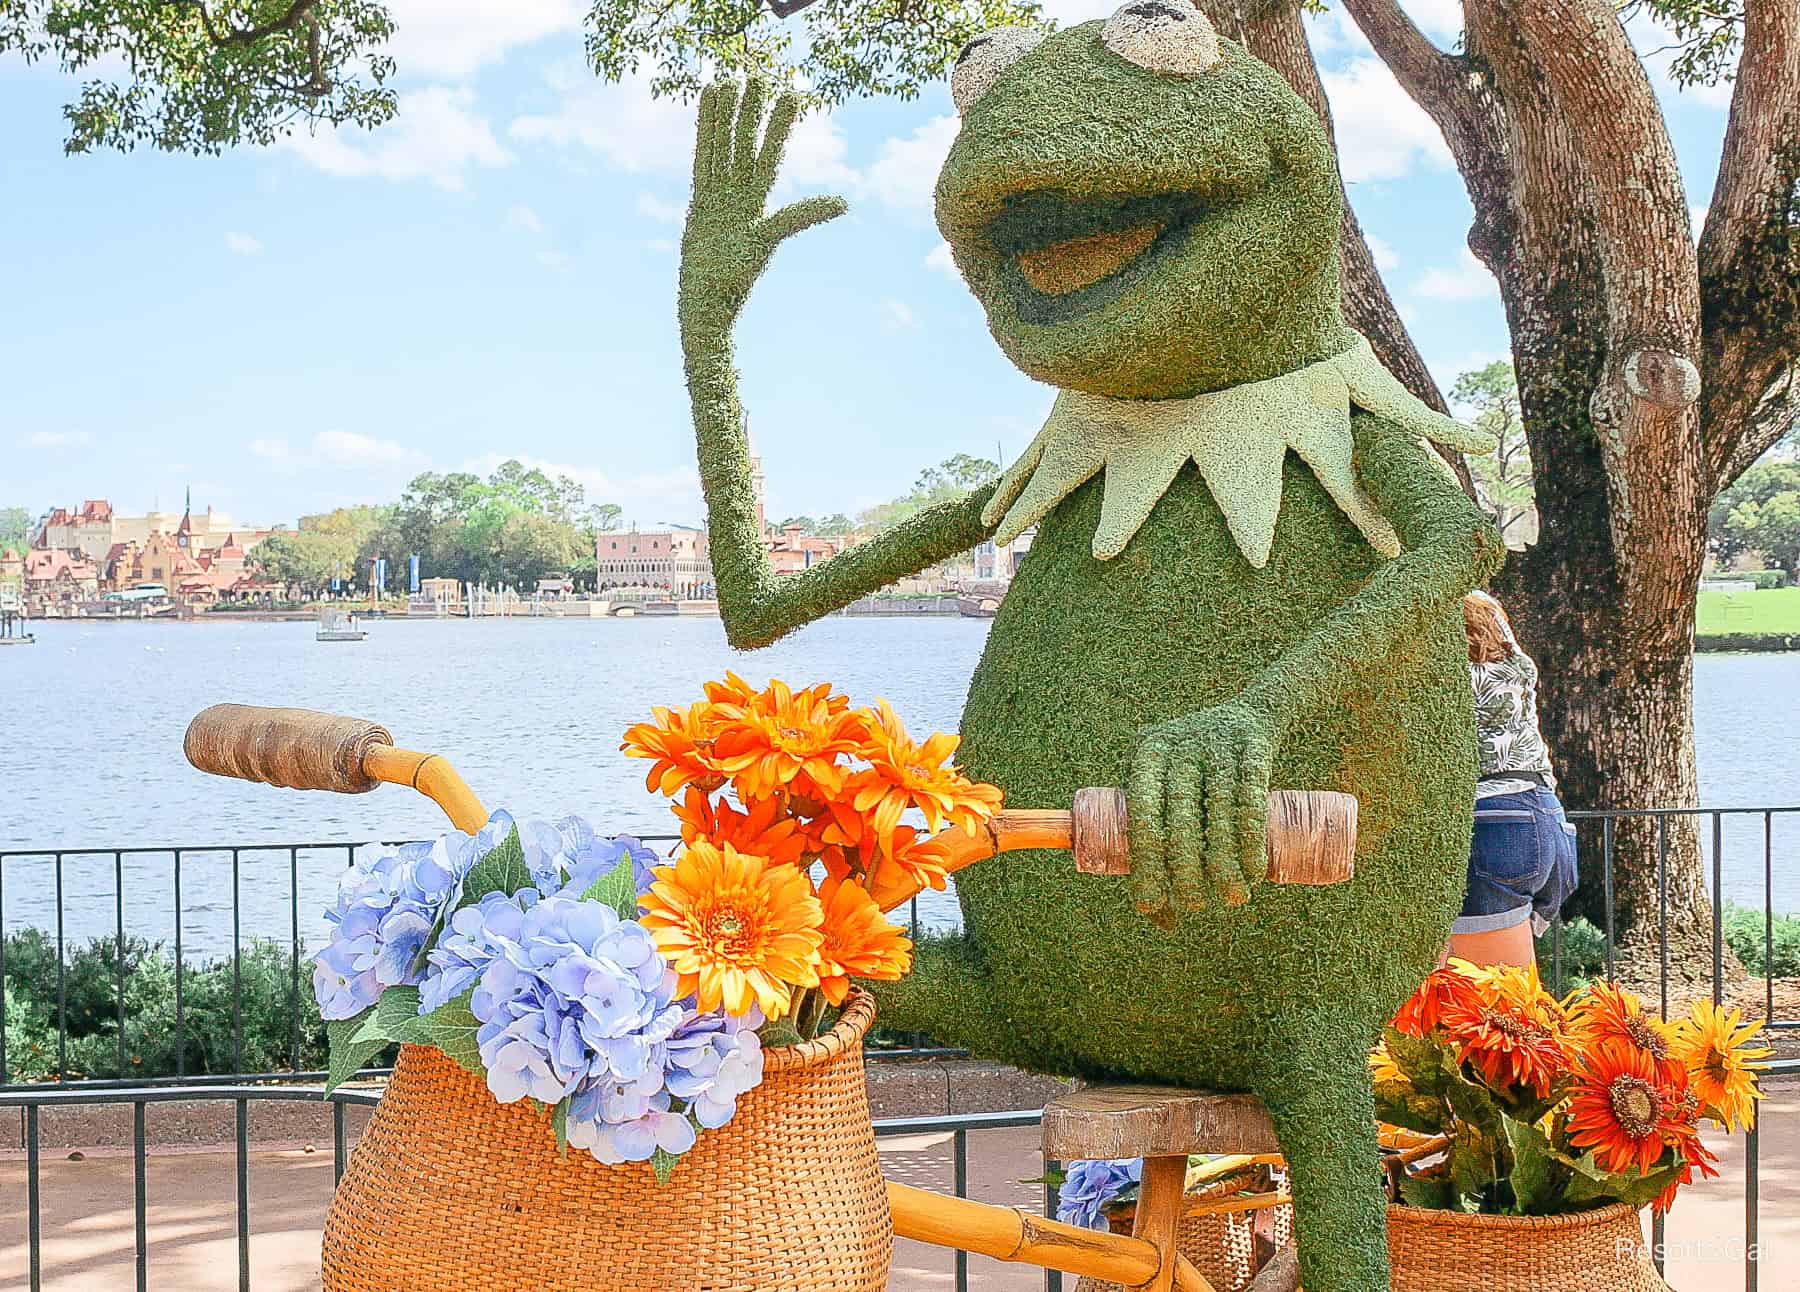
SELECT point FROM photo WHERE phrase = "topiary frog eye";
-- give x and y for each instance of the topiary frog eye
(984, 59)
(1170, 36)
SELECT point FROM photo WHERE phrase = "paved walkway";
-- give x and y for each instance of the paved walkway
(88, 1240)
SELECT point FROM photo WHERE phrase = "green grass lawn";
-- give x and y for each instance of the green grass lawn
(1775, 610)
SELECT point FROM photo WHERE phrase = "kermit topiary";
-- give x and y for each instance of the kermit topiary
(1246, 573)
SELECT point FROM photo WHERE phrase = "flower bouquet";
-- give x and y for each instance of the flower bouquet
(1540, 1122)
(688, 1028)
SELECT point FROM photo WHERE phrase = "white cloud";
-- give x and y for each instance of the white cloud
(904, 175)
(242, 244)
(452, 38)
(940, 259)
(552, 259)
(1439, 17)
(1386, 259)
(1657, 45)
(1468, 280)
(57, 439)
(649, 498)
(814, 157)
(648, 204)
(1445, 370)
(1697, 216)
(1072, 13)
(335, 449)
(523, 218)
(621, 122)
(436, 136)
(897, 314)
(1381, 132)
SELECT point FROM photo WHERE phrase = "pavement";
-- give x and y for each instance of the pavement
(192, 1219)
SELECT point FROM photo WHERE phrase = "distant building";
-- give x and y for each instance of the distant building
(88, 530)
(791, 550)
(676, 561)
(56, 576)
(1000, 561)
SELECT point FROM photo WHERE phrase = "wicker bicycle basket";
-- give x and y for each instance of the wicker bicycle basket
(1589, 1251)
(449, 1191)
(1222, 1244)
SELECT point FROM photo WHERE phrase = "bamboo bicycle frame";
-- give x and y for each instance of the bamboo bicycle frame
(301, 749)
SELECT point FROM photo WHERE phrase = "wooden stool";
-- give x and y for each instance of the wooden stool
(1163, 1126)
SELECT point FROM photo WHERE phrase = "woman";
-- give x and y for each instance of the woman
(1522, 857)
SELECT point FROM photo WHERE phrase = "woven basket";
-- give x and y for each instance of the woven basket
(449, 1191)
(1591, 1251)
(1220, 1244)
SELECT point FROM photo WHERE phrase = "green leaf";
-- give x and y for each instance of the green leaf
(1429, 1191)
(559, 1122)
(1475, 1104)
(663, 1163)
(1537, 1177)
(347, 1052)
(618, 889)
(395, 1017)
(1592, 1183)
(1474, 1167)
(452, 1027)
(1426, 1063)
(778, 1032)
(502, 871)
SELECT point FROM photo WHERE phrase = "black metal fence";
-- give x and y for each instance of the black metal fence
(291, 883)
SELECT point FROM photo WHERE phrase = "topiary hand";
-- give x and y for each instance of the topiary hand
(728, 240)
(1199, 802)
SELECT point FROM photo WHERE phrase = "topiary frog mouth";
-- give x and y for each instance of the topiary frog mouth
(1062, 256)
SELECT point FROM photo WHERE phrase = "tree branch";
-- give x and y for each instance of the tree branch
(297, 13)
(1750, 248)
(1776, 414)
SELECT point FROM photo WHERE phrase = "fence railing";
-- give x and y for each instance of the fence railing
(292, 884)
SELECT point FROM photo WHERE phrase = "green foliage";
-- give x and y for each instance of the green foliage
(1734, 523)
(1707, 35)
(349, 1049)
(1503, 478)
(151, 1037)
(452, 1028)
(202, 77)
(951, 480)
(839, 48)
(503, 870)
(1744, 933)
(618, 889)
(1583, 954)
(15, 527)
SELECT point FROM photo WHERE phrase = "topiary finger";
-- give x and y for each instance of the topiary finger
(1224, 772)
(781, 124)
(703, 137)
(1148, 842)
(1253, 809)
(1187, 821)
(749, 119)
(724, 121)
(799, 216)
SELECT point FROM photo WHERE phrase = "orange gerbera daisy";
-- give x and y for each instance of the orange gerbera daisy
(1622, 1111)
(1720, 1062)
(764, 830)
(858, 941)
(1693, 1154)
(905, 775)
(738, 929)
(792, 740)
(681, 742)
(1507, 1037)
(1607, 1012)
(1424, 1009)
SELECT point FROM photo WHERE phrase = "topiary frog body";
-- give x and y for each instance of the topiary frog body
(1245, 574)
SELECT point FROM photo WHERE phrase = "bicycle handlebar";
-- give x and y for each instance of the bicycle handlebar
(297, 749)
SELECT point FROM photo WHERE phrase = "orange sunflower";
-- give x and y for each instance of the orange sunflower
(681, 742)
(1607, 1012)
(793, 740)
(1693, 1154)
(738, 929)
(1507, 1036)
(1424, 1009)
(1623, 1112)
(1720, 1062)
(905, 775)
(763, 830)
(858, 941)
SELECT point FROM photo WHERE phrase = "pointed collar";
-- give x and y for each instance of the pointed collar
(1238, 437)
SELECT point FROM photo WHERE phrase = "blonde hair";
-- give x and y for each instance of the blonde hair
(1490, 634)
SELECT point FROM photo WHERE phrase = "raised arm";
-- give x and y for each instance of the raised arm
(1200, 783)
(727, 243)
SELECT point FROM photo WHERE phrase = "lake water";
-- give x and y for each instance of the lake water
(91, 720)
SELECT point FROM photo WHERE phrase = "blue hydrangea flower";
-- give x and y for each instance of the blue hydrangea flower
(1089, 1186)
(712, 1060)
(387, 907)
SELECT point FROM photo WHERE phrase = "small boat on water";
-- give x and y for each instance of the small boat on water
(977, 607)
(339, 626)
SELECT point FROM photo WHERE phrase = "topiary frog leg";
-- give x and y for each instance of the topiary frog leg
(726, 244)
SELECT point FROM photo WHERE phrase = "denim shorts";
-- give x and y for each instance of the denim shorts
(1521, 862)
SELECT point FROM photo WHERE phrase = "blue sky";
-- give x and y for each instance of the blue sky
(493, 275)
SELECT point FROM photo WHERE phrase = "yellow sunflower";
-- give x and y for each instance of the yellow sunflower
(1721, 1063)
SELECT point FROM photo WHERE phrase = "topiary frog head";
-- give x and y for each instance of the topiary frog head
(1144, 210)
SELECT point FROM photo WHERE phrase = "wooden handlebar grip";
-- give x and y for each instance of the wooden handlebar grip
(1311, 835)
(298, 749)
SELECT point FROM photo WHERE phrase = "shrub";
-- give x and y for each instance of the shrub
(205, 1038)
(1583, 954)
(1766, 579)
(1744, 934)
